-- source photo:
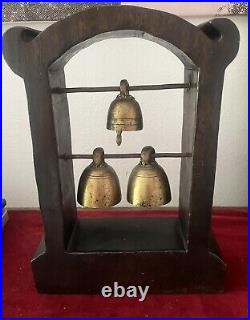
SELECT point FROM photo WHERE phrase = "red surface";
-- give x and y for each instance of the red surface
(20, 299)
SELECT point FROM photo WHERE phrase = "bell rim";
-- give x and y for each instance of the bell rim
(101, 207)
(115, 127)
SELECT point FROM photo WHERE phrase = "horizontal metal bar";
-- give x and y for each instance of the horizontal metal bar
(117, 88)
(125, 155)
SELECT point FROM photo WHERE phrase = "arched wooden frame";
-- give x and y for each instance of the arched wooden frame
(39, 58)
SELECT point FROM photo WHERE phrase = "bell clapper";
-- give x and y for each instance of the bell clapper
(118, 137)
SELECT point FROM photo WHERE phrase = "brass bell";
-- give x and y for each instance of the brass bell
(124, 113)
(99, 185)
(148, 184)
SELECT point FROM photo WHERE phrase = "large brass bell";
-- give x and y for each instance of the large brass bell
(148, 184)
(124, 113)
(99, 185)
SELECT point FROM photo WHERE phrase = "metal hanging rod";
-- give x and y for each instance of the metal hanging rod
(117, 88)
(125, 156)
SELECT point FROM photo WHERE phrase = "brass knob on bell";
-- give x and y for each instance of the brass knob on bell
(99, 185)
(148, 184)
(124, 113)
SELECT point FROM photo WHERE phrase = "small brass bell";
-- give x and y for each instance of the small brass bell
(99, 185)
(148, 184)
(124, 113)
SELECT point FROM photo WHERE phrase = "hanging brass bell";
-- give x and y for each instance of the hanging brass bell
(124, 113)
(99, 185)
(148, 184)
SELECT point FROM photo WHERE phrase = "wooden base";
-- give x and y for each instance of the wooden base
(131, 251)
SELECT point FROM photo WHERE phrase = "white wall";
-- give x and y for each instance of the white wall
(141, 62)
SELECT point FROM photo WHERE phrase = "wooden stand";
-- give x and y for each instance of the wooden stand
(168, 254)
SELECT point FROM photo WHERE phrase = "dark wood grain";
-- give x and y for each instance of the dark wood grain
(39, 58)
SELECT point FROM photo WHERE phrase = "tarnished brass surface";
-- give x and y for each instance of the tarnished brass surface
(124, 113)
(148, 184)
(99, 185)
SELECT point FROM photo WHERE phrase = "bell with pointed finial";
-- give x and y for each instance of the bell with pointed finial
(124, 113)
(99, 185)
(148, 184)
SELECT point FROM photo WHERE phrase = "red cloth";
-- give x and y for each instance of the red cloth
(20, 298)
